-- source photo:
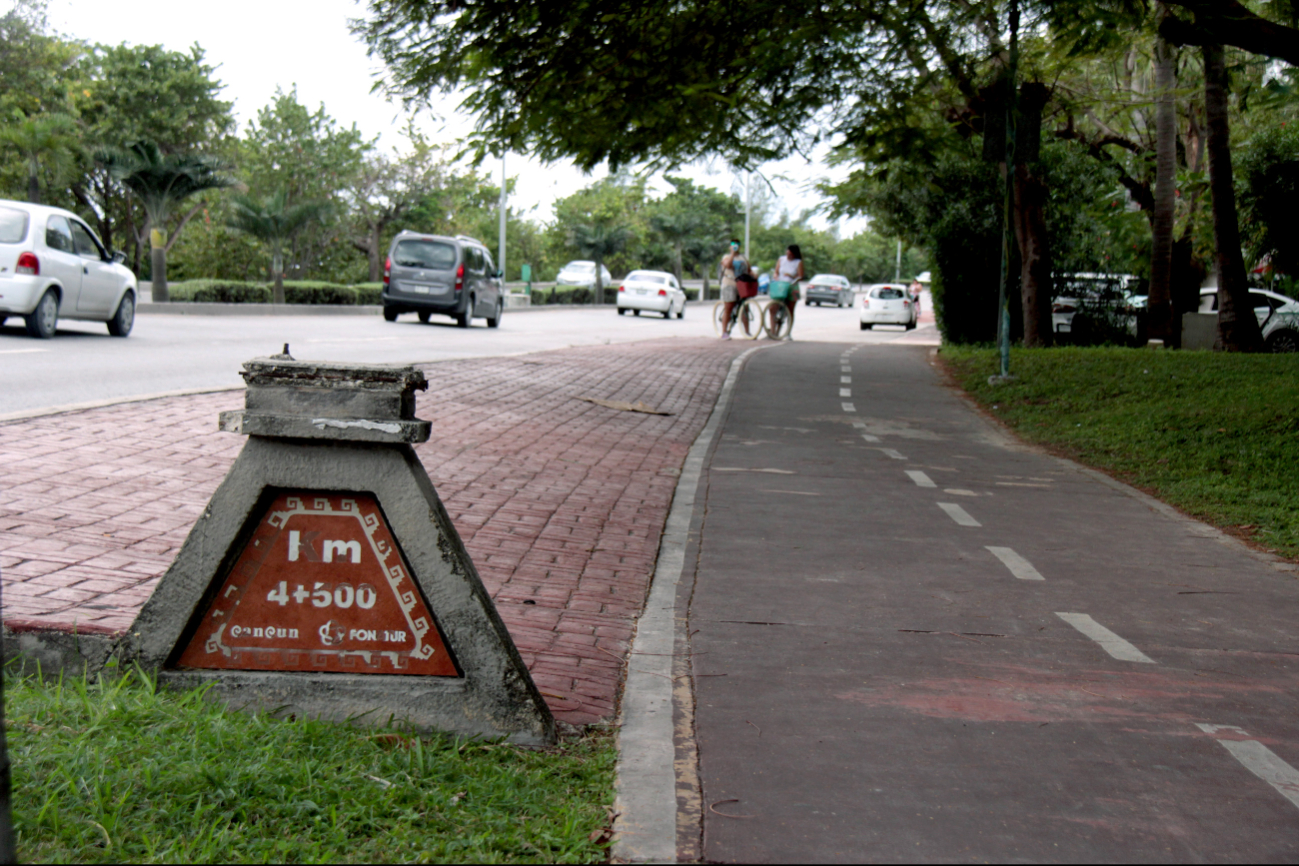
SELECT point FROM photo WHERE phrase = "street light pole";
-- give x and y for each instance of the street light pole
(1008, 210)
(897, 270)
(748, 206)
(502, 248)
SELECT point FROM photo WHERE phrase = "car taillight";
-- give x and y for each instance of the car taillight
(387, 271)
(28, 264)
(460, 278)
(622, 288)
(865, 302)
(906, 303)
(663, 293)
(1062, 308)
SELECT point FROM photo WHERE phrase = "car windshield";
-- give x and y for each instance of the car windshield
(646, 277)
(828, 280)
(13, 225)
(888, 294)
(424, 254)
(580, 266)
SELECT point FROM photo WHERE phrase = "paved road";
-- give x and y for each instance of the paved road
(170, 353)
(916, 641)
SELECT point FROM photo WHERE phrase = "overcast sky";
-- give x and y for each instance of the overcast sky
(257, 45)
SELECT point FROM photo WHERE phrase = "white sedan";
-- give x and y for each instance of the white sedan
(887, 304)
(652, 291)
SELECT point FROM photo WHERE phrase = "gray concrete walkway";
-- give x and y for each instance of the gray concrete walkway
(913, 640)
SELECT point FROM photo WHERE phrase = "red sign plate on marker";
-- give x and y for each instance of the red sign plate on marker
(321, 586)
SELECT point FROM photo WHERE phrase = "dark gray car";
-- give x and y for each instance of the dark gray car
(456, 277)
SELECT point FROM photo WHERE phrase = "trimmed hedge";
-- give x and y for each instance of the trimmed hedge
(295, 292)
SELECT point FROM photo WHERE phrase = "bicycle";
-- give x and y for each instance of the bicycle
(781, 318)
(747, 314)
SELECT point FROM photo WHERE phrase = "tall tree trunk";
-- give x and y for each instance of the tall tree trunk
(1237, 327)
(158, 265)
(1034, 255)
(1162, 323)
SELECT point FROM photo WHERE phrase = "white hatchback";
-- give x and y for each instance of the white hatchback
(52, 265)
(887, 304)
(652, 291)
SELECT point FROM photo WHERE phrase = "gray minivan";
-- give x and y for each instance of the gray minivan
(454, 277)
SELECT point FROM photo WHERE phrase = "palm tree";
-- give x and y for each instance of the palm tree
(44, 139)
(598, 241)
(161, 181)
(274, 224)
(677, 229)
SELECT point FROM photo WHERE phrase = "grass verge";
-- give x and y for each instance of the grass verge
(1216, 435)
(122, 771)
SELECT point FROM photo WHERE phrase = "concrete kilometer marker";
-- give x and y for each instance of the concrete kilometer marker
(326, 579)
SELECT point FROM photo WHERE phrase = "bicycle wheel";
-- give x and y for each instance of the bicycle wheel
(719, 310)
(783, 321)
(748, 320)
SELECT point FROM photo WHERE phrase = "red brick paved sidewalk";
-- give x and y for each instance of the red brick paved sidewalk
(560, 502)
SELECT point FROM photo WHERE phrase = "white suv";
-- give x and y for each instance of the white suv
(52, 265)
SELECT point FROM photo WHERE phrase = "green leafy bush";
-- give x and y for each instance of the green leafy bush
(219, 292)
(1268, 190)
(316, 292)
(369, 293)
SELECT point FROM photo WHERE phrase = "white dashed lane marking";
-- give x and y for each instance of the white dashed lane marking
(1109, 641)
(1259, 760)
(845, 369)
(1018, 565)
(848, 407)
(845, 380)
(861, 425)
(894, 454)
(845, 392)
(921, 479)
(959, 514)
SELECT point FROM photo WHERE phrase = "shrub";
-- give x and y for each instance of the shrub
(219, 292)
(369, 293)
(314, 292)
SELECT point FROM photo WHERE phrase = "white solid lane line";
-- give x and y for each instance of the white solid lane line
(959, 514)
(894, 454)
(1259, 760)
(1018, 565)
(921, 479)
(1109, 641)
(848, 407)
(21, 351)
(845, 392)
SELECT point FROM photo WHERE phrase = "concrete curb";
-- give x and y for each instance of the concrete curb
(24, 414)
(646, 805)
(186, 308)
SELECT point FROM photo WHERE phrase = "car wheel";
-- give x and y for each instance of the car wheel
(389, 314)
(44, 320)
(494, 321)
(681, 314)
(122, 321)
(423, 318)
(622, 311)
(866, 326)
(635, 312)
(462, 319)
(1283, 341)
(911, 325)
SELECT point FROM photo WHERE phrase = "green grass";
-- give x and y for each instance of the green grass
(120, 771)
(1216, 435)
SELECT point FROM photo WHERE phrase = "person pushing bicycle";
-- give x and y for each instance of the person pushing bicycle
(734, 267)
(784, 288)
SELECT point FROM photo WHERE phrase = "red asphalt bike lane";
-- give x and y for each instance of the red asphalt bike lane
(560, 502)
(914, 639)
